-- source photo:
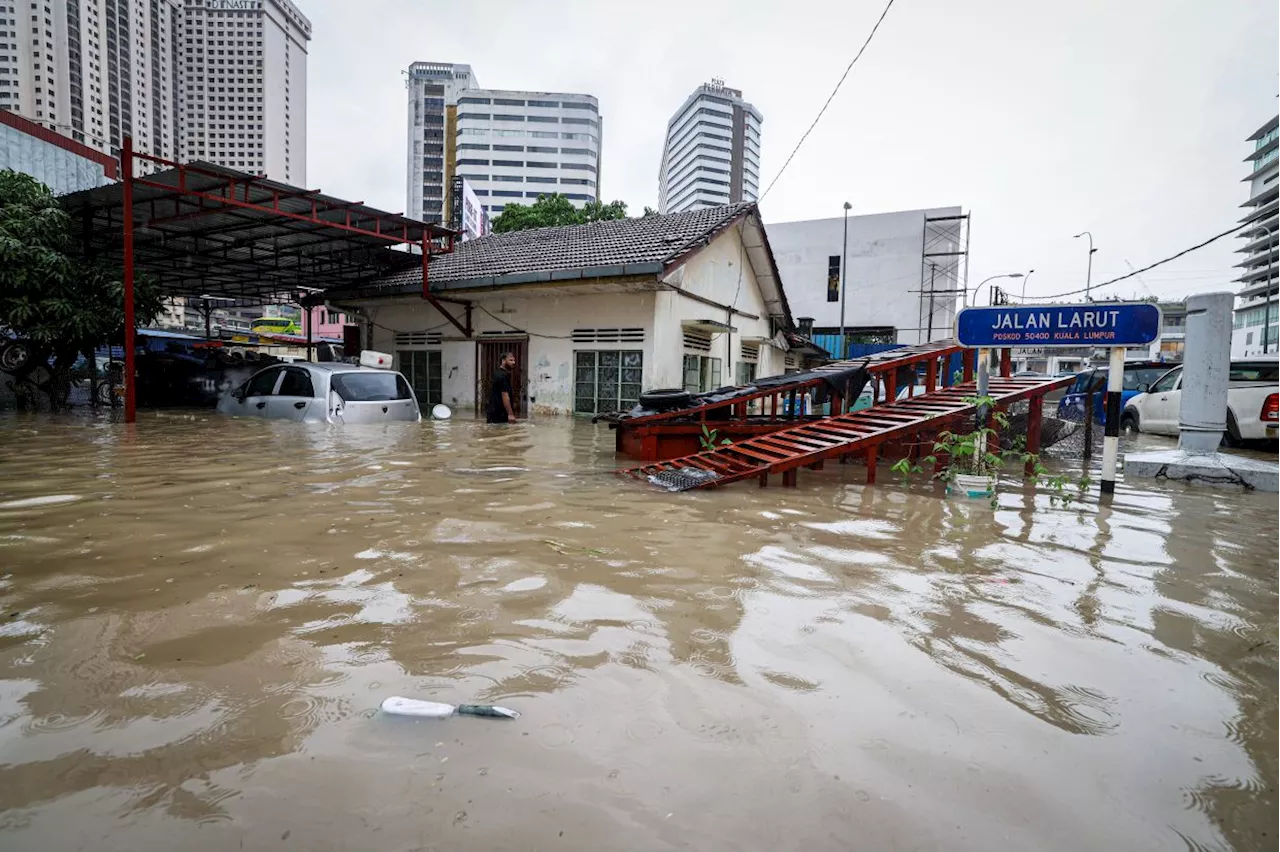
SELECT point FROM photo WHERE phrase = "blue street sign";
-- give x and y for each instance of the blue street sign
(1094, 324)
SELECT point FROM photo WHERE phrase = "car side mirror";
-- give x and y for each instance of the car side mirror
(238, 394)
(1144, 387)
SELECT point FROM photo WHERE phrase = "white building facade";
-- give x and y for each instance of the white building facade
(433, 89)
(243, 92)
(712, 151)
(904, 273)
(1257, 313)
(594, 313)
(94, 70)
(514, 146)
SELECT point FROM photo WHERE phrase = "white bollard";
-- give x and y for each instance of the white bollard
(1111, 429)
(1206, 370)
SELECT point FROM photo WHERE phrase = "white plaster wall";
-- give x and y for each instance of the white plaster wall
(550, 321)
(719, 272)
(884, 258)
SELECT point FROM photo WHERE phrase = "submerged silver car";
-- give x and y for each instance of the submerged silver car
(323, 393)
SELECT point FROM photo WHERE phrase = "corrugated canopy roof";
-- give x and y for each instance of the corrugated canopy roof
(206, 229)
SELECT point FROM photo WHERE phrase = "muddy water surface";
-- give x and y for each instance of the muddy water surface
(201, 616)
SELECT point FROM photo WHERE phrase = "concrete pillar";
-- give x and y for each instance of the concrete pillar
(1206, 366)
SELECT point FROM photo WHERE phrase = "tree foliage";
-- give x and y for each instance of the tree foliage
(555, 210)
(61, 304)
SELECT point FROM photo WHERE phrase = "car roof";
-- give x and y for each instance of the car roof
(329, 367)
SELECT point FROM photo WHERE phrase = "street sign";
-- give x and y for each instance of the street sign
(1108, 324)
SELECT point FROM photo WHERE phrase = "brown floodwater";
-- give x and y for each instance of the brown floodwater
(201, 616)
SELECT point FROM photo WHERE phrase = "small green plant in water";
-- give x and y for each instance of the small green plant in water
(970, 453)
(710, 439)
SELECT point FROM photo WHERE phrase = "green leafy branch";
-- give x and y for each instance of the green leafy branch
(710, 439)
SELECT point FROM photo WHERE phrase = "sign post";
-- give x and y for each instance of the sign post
(1114, 325)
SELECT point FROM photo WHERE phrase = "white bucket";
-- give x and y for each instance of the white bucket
(968, 485)
(440, 411)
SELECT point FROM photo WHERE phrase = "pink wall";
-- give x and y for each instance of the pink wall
(322, 327)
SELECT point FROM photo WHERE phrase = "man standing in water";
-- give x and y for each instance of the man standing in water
(499, 409)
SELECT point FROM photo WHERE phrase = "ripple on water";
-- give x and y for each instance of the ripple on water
(526, 584)
(40, 502)
(792, 682)
(1087, 710)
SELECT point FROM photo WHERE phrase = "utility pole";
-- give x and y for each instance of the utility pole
(844, 265)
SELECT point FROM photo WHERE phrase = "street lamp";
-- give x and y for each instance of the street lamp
(1088, 280)
(993, 278)
(1025, 279)
(844, 263)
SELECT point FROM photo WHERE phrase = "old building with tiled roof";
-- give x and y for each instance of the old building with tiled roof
(594, 313)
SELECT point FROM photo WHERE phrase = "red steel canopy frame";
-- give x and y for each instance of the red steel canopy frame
(202, 229)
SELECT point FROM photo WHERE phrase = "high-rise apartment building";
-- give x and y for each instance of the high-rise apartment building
(712, 153)
(94, 70)
(433, 104)
(511, 146)
(1257, 313)
(218, 80)
(243, 96)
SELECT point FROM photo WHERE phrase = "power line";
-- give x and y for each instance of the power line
(1135, 272)
(849, 68)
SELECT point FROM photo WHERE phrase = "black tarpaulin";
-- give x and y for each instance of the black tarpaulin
(834, 382)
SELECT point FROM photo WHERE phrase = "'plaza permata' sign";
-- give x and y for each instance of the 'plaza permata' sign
(1094, 324)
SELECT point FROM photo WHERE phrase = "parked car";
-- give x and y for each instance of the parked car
(1252, 403)
(1137, 377)
(323, 393)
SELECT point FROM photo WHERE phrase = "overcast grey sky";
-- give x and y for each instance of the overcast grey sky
(1127, 118)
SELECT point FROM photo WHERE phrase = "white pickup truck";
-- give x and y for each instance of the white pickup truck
(1253, 405)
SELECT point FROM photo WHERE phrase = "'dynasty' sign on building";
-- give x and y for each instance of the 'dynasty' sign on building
(1107, 324)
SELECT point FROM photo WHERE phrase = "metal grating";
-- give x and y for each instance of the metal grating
(683, 479)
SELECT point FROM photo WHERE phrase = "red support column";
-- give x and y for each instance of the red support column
(890, 380)
(1006, 363)
(931, 375)
(1033, 430)
(873, 453)
(790, 478)
(130, 366)
(426, 255)
(968, 358)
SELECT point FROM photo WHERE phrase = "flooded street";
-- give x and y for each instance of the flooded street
(200, 618)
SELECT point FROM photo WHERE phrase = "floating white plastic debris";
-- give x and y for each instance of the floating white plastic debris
(399, 706)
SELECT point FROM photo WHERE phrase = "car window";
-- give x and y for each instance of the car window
(1254, 371)
(263, 383)
(1083, 380)
(1135, 376)
(296, 383)
(371, 387)
(1166, 382)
